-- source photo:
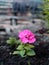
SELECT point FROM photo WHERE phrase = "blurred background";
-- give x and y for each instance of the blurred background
(16, 15)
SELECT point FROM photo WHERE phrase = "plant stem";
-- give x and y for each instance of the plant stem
(28, 63)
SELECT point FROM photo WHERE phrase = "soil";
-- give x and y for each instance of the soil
(41, 57)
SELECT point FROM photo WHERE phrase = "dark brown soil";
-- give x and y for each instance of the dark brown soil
(41, 57)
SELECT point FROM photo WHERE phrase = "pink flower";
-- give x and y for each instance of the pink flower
(26, 36)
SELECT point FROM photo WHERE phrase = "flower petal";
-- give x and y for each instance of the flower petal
(27, 36)
(24, 40)
(32, 40)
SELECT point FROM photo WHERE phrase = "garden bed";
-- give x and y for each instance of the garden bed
(41, 57)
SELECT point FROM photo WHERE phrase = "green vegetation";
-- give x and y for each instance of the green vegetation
(46, 12)
(22, 49)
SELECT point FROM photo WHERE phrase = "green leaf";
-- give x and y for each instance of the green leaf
(18, 41)
(8, 41)
(31, 53)
(11, 40)
(22, 53)
(20, 47)
(27, 48)
(31, 46)
(16, 52)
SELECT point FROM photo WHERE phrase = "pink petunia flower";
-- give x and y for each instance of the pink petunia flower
(26, 36)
